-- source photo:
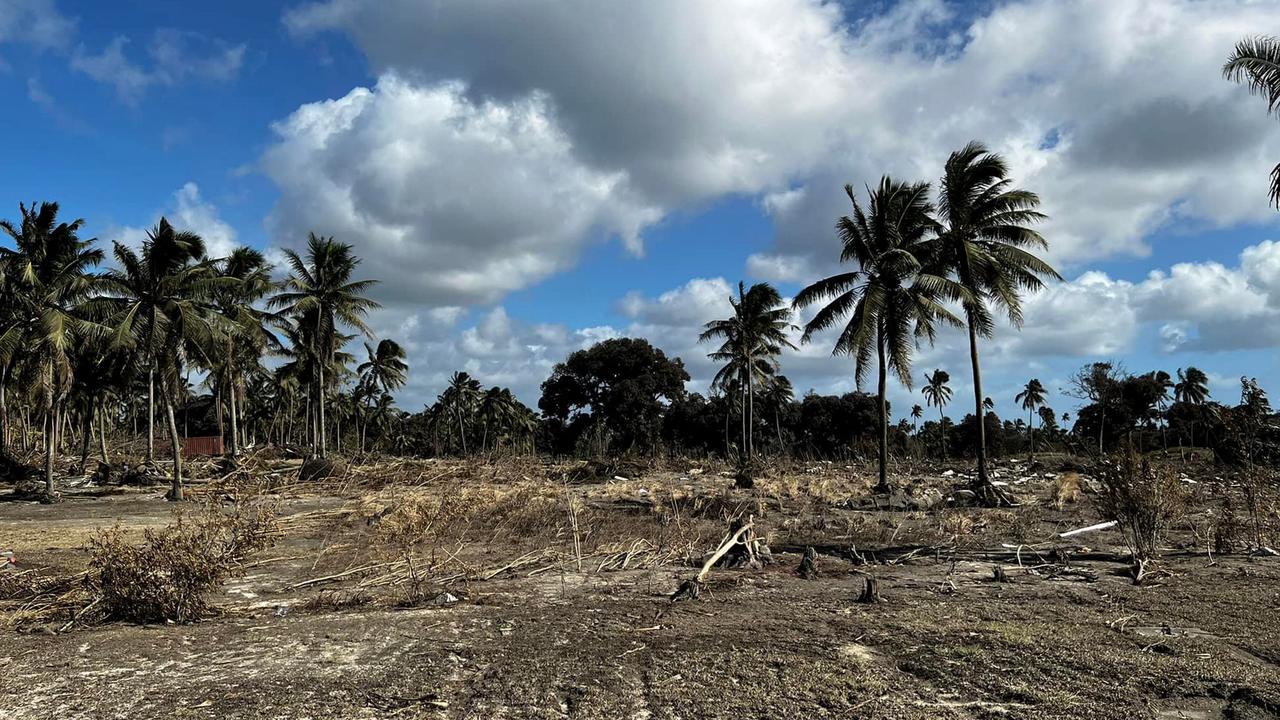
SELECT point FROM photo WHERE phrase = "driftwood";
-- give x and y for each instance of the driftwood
(692, 587)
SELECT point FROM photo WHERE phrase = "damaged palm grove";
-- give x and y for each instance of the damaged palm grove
(212, 507)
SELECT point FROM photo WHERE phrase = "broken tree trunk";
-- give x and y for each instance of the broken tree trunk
(692, 587)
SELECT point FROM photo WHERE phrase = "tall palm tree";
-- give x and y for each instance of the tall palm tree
(142, 289)
(1032, 397)
(1255, 61)
(777, 394)
(753, 337)
(248, 282)
(1192, 388)
(161, 301)
(937, 394)
(985, 240)
(890, 300)
(321, 290)
(459, 401)
(48, 273)
(917, 412)
(385, 370)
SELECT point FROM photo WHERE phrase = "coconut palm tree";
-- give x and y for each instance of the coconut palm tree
(779, 393)
(48, 275)
(247, 282)
(917, 412)
(320, 291)
(937, 394)
(890, 300)
(458, 402)
(1255, 61)
(985, 240)
(1032, 397)
(753, 337)
(142, 292)
(1192, 388)
(385, 370)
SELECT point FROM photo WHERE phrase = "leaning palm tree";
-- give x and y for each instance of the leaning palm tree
(1031, 397)
(985, 240)
(753, 337)
(320, 289)
(890, 300)
(1255, 61)
(48, 272)
(937, 394)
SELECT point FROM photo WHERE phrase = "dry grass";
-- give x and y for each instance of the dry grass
(168, 576)
(1067, 489)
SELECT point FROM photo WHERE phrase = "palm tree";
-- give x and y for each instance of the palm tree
(1192, 388)
(985, 240)
(1256, 63)
(385, 370)
(321, 291)
(140, 290)
(937, 394)
(778, 394)
(459, 401)
(47, 273)
(752, 337)
(917, 412)
(1032, 397)
(248, 276)
(890, 300)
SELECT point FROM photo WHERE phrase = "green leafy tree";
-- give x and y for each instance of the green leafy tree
(890, 301)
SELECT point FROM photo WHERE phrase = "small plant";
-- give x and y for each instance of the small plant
(1144, 500)
(167, 577)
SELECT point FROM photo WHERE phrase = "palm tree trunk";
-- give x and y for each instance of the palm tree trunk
(50, 430)
(982, 478)
(462, 430)
(151, 410)
(942, 432)
(4, 410)
(235, 425)
(175, 493)
(751, 412)
(777, 423)
(87, 435)
(1031, 428)
(882, 389)
(102, 430)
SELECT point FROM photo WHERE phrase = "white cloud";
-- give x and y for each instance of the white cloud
(502, 138)
(175, 57)
(37, 23)
(450, 201)
(189, 211)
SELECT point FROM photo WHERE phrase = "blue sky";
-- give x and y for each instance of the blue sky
(527, 178)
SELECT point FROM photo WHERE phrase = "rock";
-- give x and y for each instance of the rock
(444, 598)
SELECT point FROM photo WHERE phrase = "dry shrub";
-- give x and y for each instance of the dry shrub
(1262, 502)
(1145, 500)
(1228, 531)
(168, 576)
(1066, 489)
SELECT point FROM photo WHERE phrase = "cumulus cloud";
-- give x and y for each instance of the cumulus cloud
(173, 58)
(502, 138)
(188, 211)
(450, 200)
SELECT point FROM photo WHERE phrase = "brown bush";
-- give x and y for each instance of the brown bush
(168, 576)
(1144, 499)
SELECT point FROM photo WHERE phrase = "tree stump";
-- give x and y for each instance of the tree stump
(870, 591)
(998, 574)
(807, 569)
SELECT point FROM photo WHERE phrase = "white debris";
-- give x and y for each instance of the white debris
(1092, 528)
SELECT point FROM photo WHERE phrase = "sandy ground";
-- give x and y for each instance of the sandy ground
(947, 641)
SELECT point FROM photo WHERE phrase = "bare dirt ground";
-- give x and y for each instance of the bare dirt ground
(326, 623)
